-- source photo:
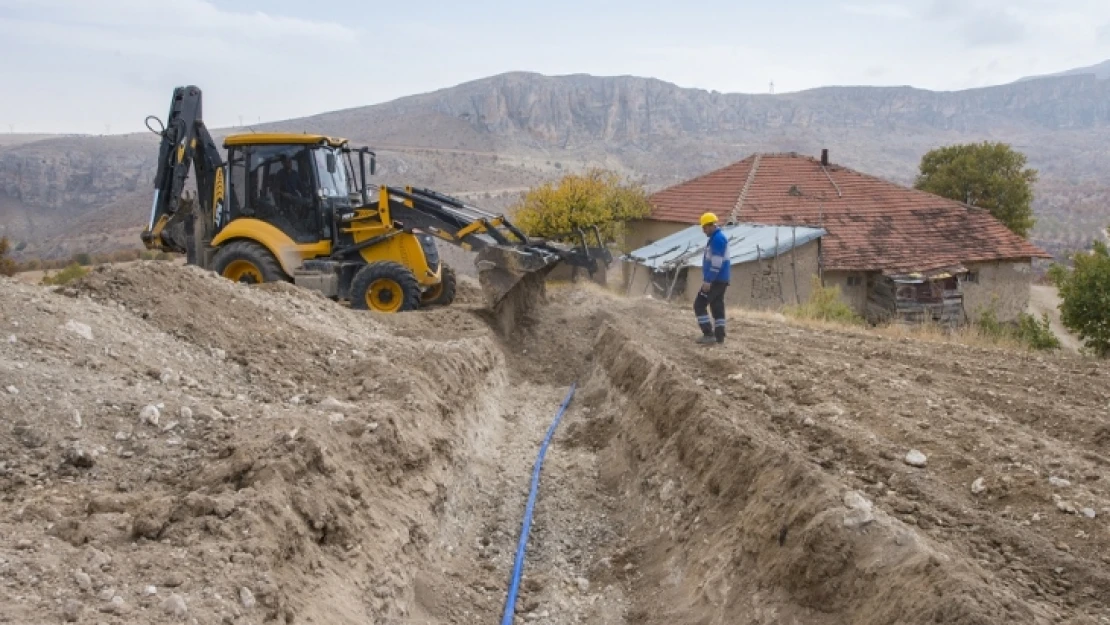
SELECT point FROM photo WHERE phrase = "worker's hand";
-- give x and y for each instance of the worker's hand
(704, 287)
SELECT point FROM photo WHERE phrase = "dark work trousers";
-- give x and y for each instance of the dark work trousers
(714, 300)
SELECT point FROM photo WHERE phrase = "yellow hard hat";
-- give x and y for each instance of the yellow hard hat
(708, 218)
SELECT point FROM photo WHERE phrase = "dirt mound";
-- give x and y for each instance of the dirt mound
(174, 445)
(773, 479)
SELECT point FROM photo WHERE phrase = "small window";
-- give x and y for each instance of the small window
(855, 281)
(971, 276)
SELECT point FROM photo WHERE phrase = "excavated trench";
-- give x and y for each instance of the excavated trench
(339, 467)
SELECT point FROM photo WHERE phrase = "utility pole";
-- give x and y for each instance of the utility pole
(11, 129)
(772, 87)
(240, 120)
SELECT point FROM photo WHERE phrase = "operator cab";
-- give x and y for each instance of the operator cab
(295, 182)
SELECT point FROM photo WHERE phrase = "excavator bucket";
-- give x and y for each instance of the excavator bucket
(513, 274)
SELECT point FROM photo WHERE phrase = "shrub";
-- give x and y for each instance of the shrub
(73, 272)
(597, 198)
(1036, 334)
(82, 259)
(7, 265)
(1028, 331)
(1085, 297)
(824, 304)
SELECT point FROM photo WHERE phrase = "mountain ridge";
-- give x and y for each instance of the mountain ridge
(492, 137)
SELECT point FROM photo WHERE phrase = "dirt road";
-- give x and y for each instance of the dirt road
(238, 455)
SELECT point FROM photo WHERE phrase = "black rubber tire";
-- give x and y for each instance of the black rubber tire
(254, 254)
(444, 293)
(390, 272)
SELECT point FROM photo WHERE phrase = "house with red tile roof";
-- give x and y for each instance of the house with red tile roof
(881, 236)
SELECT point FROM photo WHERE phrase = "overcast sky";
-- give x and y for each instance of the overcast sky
(96, 65)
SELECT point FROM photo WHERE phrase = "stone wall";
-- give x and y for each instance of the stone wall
(641, 233)
(855, 295)
(1004, 286)
(1001, 285)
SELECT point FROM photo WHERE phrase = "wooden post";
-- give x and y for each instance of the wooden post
(794, 263)
(774, 267)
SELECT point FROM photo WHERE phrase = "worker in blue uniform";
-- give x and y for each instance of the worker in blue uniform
(715, 277)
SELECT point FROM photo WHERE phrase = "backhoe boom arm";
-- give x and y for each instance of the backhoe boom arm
(175, 222)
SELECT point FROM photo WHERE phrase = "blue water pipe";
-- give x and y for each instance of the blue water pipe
(518, 565)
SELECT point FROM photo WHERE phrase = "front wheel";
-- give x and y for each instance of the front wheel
(385, 286)
(443, 293)
(247, 262)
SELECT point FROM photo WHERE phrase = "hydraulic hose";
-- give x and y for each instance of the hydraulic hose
(518, 565)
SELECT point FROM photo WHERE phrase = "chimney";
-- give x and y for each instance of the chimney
(825, 157)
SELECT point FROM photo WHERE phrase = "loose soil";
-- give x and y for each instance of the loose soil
(178, 448)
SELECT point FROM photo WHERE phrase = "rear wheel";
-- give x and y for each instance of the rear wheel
(443, 293)
(385, 287)
(247, 262)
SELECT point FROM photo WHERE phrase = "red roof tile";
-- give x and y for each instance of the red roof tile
(872, 224)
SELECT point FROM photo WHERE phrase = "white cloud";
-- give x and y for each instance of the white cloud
(126, 56)
(182, 16)
(993, 28)
(880, 9)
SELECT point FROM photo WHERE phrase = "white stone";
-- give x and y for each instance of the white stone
(150, 591)
(149, 415)
(1058, 482)
(80, 329)
(77, 418)
(978, 486)
(84, 582)
(332, 403)
(859, 510)
(915, 458)
(1089, 513)
(583, 584)
(174, 605)
(246, 597)
(12, 390)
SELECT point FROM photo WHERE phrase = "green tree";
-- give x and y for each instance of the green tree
(82, 259)
(7, 264)
(597, 198)
(1085, 297)
(986, 175)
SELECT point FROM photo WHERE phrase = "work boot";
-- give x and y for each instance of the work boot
(706, 339)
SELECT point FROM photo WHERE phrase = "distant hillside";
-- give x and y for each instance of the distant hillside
(495, 137)
(1101, 71)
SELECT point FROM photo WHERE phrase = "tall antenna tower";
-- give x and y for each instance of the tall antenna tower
(772, 87)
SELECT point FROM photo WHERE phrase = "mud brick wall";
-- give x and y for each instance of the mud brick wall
(1001, 285)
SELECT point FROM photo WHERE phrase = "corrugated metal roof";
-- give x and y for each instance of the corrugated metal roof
(746, 242)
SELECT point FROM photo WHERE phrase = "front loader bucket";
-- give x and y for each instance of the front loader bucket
(503, 270)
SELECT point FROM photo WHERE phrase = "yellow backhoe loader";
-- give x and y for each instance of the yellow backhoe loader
(299, 208)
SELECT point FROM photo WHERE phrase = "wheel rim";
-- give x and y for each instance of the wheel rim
(433, 293)
(243, 271)
(385, 295)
